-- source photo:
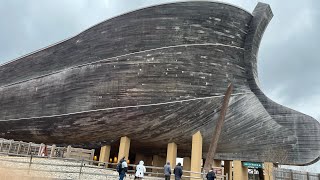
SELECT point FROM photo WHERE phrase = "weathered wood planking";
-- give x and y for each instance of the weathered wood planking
(74, 92)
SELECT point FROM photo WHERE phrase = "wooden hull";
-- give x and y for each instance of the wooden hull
(155, 75)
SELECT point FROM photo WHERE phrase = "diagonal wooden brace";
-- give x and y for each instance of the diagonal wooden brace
(217, 131)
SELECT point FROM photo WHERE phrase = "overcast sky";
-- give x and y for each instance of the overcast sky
(289, 64)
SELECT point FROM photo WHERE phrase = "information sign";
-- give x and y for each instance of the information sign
(252, 164)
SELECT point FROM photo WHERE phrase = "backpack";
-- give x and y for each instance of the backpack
(119, 167)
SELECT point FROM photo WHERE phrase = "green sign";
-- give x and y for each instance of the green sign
(252, 164)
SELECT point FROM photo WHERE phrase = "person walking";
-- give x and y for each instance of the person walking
(211, 175)
(167, 171)
(122, 168)
(177, 172)
(140, 170)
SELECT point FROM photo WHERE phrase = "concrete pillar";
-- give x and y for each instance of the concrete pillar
(172, 154)
(186, 166)
(196, 154)
(268, 171)
(158, 161)
(228, 168)
(216, 163)
(239, 172)
(105, 153)
(124, 148)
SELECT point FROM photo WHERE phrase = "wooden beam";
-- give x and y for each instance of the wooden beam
(215, 138)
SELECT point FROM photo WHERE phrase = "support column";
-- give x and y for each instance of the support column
(196, 155)
(105, 154)
(216, 163)
(124, 148)
(186, 166)
(228, 168)
(172, 154)
(268, 171)
(240, 172)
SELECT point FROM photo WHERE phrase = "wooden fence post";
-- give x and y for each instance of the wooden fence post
(10, 146)
(1, 145)
(41, 148)
(30, 162)
(68, 152)
(53, 149)
(19, 147)
(92, 154)
(80, 169)
(291, 175)
(29, 148)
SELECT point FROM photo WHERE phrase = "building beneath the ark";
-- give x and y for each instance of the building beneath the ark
(156, 77)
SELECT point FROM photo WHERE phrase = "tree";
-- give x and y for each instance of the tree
(271, 156)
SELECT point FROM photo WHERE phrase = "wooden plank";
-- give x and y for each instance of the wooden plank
(215, 137)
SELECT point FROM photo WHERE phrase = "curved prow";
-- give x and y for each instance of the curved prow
(262, 15)
(304, 129)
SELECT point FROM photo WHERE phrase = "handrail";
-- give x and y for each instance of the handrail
(82, 166)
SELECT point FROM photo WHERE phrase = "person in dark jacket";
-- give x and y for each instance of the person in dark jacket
(123, 168)
(177, 172)
(167, 171)
(211, 175)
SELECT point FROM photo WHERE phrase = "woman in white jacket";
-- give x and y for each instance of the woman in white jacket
(140, 170)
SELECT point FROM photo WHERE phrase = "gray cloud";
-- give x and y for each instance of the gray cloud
(288, 58)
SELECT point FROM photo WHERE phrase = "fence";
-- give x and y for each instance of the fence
(24, 148)
(79, 153)
(84, 169)
(288, 174)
